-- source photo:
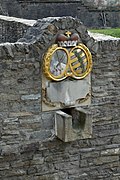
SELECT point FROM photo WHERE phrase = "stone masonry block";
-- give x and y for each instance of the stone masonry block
(75, 125)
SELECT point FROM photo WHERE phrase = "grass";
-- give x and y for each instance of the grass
(115, 32)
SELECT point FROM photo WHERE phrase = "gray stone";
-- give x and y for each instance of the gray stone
(98, 13)
(68, 92)
(28, 144)
(31, 97)
(77, 125)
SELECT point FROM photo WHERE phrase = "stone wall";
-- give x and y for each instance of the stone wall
(28, 146)
(12, 29)
(103, 4)
(92, 13)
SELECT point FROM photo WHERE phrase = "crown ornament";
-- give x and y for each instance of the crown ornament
(68, 39)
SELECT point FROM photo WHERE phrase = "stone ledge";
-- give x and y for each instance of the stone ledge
(18, 20)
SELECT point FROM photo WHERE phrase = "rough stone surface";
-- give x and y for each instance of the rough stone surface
(12, 29)
(73, 126)
(72, 91)
(93, 13)
(28, 146)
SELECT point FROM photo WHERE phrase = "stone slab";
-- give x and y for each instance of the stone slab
(67, 92)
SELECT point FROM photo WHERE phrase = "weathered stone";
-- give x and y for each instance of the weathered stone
(7, 150)
(37, 160)
(105, 159)
(10, 97)
(28, 146)
(77, 125)
(41, 135)
(31, 97)
(20, 114)
(72, 91)
(11, 29)
(4, 166)
(111, 152)
(98, 13)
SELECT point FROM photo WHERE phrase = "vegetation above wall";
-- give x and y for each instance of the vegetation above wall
(115, 32)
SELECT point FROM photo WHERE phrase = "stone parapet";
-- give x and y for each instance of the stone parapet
(29, 148)
(12, 29)
(92, 13)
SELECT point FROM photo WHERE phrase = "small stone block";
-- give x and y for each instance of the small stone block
(77, 125)
(63, 125)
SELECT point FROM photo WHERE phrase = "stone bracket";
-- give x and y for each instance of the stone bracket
(73, 124)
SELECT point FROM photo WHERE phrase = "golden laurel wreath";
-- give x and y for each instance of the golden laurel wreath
(77, 62)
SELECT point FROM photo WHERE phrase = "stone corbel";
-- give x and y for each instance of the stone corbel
(73, 124)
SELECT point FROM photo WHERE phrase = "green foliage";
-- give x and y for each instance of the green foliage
(115, 32)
